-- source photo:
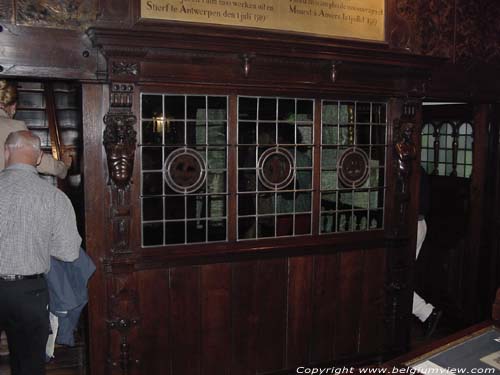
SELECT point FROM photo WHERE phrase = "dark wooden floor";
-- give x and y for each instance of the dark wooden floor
(67, 361)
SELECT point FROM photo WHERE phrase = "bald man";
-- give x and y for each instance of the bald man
(37, 221)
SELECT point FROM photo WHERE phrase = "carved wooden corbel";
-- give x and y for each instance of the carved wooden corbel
(120, 136)
(120, 142)
(406, 152)
(405, 147)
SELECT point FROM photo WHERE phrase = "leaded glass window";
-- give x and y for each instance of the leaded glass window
(201, 183)
(275, 167)
(427, 152)
(453, 141)
(446, 135)
(464, 152)
(184, 169)
(353, 151)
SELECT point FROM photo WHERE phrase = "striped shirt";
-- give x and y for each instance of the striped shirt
(37, 220)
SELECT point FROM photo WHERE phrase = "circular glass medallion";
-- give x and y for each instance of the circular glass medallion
(185, 170)
(353, 167)
(276, 168)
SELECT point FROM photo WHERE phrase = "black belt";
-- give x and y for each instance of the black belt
(20, 277)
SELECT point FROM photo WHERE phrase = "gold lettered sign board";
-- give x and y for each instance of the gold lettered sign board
(361, 19)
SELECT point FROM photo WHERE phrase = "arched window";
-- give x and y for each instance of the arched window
(445, 164)
(452, 140)
(427, 153)
(464, 152)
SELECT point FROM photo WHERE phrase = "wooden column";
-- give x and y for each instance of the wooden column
(94, 106)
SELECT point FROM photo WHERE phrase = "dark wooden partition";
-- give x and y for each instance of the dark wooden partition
(246, 307)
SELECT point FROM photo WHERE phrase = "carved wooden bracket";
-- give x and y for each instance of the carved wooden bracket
(119, 136)
(405, 148)
(120, 143)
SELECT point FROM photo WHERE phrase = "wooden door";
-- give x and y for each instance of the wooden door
(453, 139)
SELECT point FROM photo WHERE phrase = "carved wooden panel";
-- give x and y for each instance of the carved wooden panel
(435, 31)
(114, 11)
(6, 11)
(468, 34)
(68, 14)
(430, 24)
(403, 24)
(477, 31)
(465, 30)
(119, 141)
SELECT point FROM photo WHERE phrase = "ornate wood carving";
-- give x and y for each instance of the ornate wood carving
(405, 152)
(120, 143)
(120, 136)
(124, 68)
(68, 14)
(424, 27)
(403, 24)
(122, 322)
(114, 11)
(405, 148)
(399, 223)
(396, 289)
(435, 27)
(465, 30)
(477, 30)
(6, 11)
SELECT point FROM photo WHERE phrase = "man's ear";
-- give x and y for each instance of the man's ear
(13, 109)
(6, 154)
(39, 159)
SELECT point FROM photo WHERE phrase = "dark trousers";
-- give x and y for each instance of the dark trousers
(25, 318)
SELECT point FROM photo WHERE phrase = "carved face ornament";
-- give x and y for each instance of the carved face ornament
(120, 163)
(120, 142)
